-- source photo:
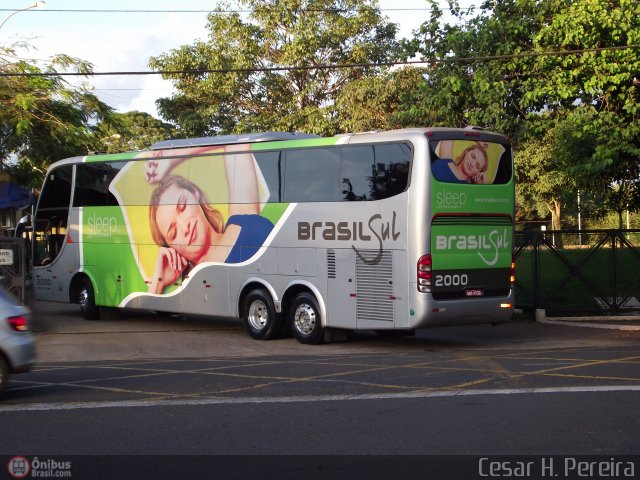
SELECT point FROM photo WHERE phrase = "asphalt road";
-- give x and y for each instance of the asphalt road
(148, 384)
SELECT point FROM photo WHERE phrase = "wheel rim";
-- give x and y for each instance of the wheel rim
(258, 315)
(305, 319)
(84, 298)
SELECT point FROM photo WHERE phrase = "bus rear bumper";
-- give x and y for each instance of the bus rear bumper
(430, 313)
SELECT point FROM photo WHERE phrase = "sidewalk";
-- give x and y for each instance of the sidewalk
(619, 322)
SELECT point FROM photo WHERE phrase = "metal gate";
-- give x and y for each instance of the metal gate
(575, 272)
(13, 266)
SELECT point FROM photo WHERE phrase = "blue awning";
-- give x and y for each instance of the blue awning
(14, 196)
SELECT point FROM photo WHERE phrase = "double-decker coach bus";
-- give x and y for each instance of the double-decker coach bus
(296, 233)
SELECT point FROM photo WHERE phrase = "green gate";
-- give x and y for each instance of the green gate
(578, 272)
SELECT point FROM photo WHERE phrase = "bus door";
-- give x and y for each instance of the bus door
(50, 231)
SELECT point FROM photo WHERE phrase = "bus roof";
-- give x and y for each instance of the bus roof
(248, 138)
(230, 139)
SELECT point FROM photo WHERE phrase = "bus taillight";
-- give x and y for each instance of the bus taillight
(512, 275)
(424, 274)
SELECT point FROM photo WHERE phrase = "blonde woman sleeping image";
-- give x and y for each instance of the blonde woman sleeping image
(189, 231)
(468, 167)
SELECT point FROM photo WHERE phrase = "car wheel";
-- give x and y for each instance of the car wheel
(87, 301)
(260, 317)
(4, 374)
(305, 319)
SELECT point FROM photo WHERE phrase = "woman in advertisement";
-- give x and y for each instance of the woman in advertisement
(190, 231)
(468, 167)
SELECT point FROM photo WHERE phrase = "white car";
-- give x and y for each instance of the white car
(17, 345)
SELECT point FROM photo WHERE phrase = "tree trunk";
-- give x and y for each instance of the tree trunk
(556, 222)
(620, 219)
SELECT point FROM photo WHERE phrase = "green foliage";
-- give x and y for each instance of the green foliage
(474, 89)
(573, 116)
(279, 34)
(594, 95)
(605, 78)
(43, 119)
(542, 184)
(602, 153)
(376, 102)
(130, 131)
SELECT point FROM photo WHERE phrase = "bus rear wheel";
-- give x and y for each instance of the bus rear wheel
(260, 317)
(305, 319)
(87, 301)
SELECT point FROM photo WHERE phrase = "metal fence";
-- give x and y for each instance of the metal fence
(13, 266)
(578, 272)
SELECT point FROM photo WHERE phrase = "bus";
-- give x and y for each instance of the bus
(292, 233)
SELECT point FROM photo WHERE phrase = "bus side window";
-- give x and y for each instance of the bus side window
(270, 165)
(312, 175)
(392, 169)
(56, 193)
(357, 171)
(92, 184)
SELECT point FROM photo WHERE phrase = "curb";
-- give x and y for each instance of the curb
(590, 325)
(591, 322)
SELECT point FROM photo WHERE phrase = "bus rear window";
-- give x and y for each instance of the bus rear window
(470, 161)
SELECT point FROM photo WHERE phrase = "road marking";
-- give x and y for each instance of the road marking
(186, 402)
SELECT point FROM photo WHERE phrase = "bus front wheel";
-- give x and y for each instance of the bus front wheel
(260, 317)
(87, 301)
(305, 321)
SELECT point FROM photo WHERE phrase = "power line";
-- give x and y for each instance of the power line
(215, 10)
(130, 89)
(478, 59)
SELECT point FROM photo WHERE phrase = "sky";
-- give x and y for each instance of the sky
(124, 41)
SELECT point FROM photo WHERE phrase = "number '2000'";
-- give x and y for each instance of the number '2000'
(456, 280)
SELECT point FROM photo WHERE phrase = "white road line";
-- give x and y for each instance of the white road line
(319, 398)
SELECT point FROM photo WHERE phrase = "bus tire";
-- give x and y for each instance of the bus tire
(260, 317)
(4, 374)
(87, 301)
(305, 319)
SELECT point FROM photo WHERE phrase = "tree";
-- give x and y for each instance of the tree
(43, 119)
(476, 76)
(541, 180)
(129, 131)
(543, 71)
(270, 72)
(592, 95)
(602, 154)
(603, 71)
(375, 102)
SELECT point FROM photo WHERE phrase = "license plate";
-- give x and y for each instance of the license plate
(474, 292)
